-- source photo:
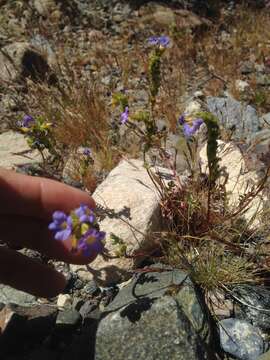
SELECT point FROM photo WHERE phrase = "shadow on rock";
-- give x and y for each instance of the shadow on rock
(134, 311)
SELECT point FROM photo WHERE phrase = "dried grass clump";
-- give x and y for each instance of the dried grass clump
(213, 267)
(217, 247)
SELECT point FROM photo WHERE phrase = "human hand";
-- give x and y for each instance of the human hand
(26, 207)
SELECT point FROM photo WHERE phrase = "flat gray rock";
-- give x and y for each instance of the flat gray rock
(69, 318)
(241, 339)
(8, 295)
(152, 285)
(157, 316)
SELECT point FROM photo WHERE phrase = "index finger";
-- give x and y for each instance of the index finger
(37, 197)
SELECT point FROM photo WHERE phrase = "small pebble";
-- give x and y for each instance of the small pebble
(77, 303)
(78, 285)
(87, 308)
(91, 288)
(68, 317)
(64, 300)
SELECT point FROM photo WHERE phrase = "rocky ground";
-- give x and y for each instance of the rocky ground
(116, 308)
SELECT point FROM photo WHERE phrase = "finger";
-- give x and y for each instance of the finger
(37, 197)
(34, 234)
(25, 274)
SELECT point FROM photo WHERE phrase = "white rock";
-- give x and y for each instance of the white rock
(64, 300)
(155, 14)
(260, 68)
(199, 94)
(192, 108)
(15, 151)
(44, 7)
(130, 193)
(225, 36)
(260, 143)
(164, 16)
(241, 85)
(239, 178)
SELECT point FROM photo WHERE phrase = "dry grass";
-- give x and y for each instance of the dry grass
(212, 266)
(248, 40)
(219, 250)
(80, 116)
(212, 59)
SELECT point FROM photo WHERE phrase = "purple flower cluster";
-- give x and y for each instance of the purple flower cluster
(27, 121)
(162, 41)
(86, 151)
(81, 227)
(187, 129)
(124, 116)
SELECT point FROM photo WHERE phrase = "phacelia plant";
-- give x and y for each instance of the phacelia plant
(190, 130)
(85, 161)
(39, 134)
(154, 67)
(149, 135)
(194, 207)
(213, 134)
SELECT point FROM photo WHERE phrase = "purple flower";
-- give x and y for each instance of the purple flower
(153, 40)
(87, 151)
(62, 225)
(164, 41)
(181, 120)
(27, 121)
(187, 129)
(124, 116)
(85, 214)
(191, 130)
(159, 40)
(91, 242)
(197, 124)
